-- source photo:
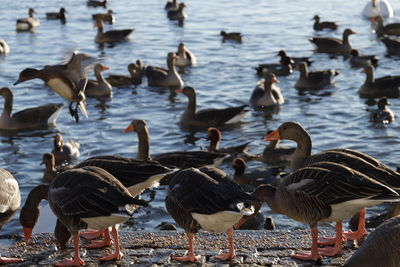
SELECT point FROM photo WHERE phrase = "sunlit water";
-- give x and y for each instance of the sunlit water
(224, 76)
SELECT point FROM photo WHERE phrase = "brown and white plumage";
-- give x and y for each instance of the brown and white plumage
(27, 119)
(101, 87)
(64, 151)
(28, 24)
(383, 114)
(4, 48)
(267, 93)
(157, 76)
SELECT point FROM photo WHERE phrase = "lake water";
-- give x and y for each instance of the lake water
(224, 76)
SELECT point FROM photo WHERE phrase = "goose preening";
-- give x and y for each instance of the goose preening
(184, 57)
(112, 36)
(381, 248)
(105, 17)
(181, 159)
(68, 80)
(27, 119)
(101, 87)
(4, 48)
(383, 114)
(208, 117)
(361, 61)
(314, 80)
(321, 25)
(64, 151)
(324, 192)
(28, 24)
(353, 159)
(377, 8)
(61, 15)
(333, 45)
(10, 200)
(157, 76)
(267, 93)
(387, 86)
(91, 198)
(231, 36)
(206, 199)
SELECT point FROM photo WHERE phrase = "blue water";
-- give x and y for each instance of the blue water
(224, 76)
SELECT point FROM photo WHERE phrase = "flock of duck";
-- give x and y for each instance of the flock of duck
(103, 191)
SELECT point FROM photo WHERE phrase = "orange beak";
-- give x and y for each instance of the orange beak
(27, 234)
(130, 128)
(179, 91)
(105, 68)
(273, 136)
(275, 80)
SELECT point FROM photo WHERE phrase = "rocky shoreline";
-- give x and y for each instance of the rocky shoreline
(143, 248)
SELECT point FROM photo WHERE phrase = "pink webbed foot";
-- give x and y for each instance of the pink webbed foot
(191, 258)
(355, 235)
(307, 256)
(10, 260)
(113, 256)
(91, 234)
(73, 262)
(225, 256)
(330, 240)
(332, 251)
(100, 243)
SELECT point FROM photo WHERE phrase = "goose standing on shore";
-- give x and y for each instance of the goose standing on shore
(27, 119)
(10, 200)
(208, 117)
(101, 87)
(157, 76)
(28, 24)
(110, 204)
(206, 199)
(333, 45)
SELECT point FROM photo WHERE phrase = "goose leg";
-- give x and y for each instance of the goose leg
(91, 234)
(314, 255)
(76, 261)
(10, 260)
(231, 254)
(117, 255)
(361, 232)
(106, 242)
(190, 256)
(337, 249)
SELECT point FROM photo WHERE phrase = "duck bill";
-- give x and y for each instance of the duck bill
(273, 136)
(130, 128)
(27, 234)
(17, 82)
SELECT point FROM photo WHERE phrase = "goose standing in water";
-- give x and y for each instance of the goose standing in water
(28, 24)
(64, 151)
(208, 117)
(10, 200)
(27, 119)
(377, 8)
(110, 203)
(387, 86)
(267, 93)
(101, 87)
(333, 45)
(68, 80)
(206, 199)
(383, 114)
(157, 76)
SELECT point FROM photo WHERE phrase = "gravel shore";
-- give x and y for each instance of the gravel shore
(253, 248)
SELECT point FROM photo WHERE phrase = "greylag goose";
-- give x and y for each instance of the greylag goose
(61, 15)
(177, 14)
(51, 170)
(206, 199)
(388, 86)
(324, 192)
(283, 68)
(274, 155)
(377, 8)
(27, 119)
(351, 158)
(101, 87)
(4, 48)
(357, 60)
(392, 45)
(381, 248)
(111, 36)
(383, 114)
(10, 200)
(215, 139)
(320, 25)
(266, 92)
(68, 80)
(184, 57)
(314, 79)
(105, 17)
(181, 159)
(157, 76)
(388, 29)
(64, 151)
(28, 24)
(333, 45)
(90, 197)
(171, 5)
(231, 36)
(295, 60)
(208, 117)
(96, 3)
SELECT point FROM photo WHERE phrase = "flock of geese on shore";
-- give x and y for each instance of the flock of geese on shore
(103, 191)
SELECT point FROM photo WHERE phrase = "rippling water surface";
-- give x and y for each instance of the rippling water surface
(224, 76)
